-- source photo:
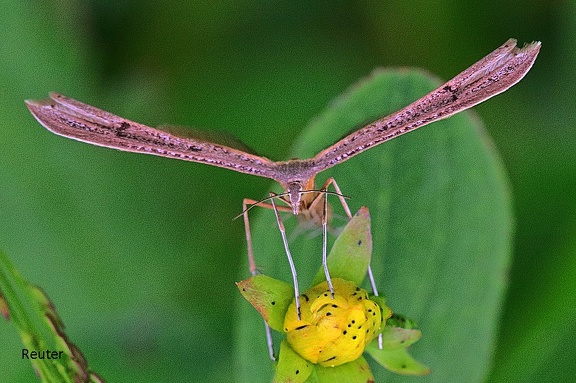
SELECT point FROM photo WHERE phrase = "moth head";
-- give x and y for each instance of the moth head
(294, 190)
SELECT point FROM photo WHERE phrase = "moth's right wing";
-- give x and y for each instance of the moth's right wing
(490, 76)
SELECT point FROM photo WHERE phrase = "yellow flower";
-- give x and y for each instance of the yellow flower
(327, 343)
(334, 331)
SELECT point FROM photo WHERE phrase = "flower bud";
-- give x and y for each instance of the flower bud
(333, 331)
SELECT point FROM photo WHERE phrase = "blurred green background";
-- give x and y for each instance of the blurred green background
(132, 248)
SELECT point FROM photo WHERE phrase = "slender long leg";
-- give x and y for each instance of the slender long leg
(246, 204)
(252, 263)
(324, 244)
(323, 197)
(331, 181)
(375, 292)
(270, 342)
(251, 260)
(289, 255)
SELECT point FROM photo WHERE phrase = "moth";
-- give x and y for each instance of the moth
(490, 76)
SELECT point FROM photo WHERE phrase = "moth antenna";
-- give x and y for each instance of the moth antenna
(259, 202)
(327, 192)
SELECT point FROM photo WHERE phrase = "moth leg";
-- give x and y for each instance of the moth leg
(324, 244)
(331, 181)
(288, 255)
(246, 204)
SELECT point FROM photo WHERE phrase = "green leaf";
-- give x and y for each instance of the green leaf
(291, 367)
(269, 296)
(54, 357)
(441, 225)
(349, 258)
(4, 310)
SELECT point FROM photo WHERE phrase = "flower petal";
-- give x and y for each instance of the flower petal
(333, 331)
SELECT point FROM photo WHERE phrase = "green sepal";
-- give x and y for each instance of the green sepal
(394, 338)
(399, 320)
(269, 296)
(350, 255)
(394, 355)
(291, 367)
(357, 371)
(384, 310)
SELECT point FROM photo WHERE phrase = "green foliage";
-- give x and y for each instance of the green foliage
(54, 357)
